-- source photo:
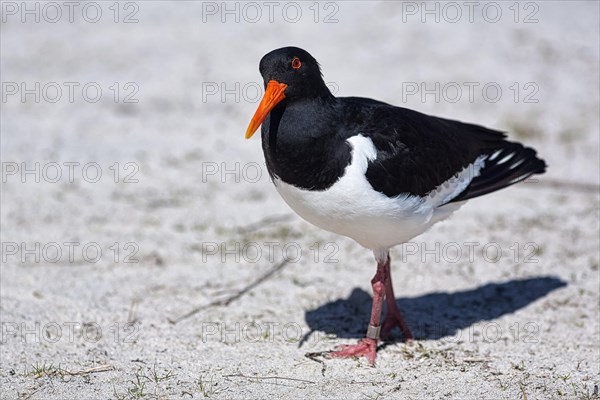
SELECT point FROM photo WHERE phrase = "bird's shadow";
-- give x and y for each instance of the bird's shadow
(435, 315)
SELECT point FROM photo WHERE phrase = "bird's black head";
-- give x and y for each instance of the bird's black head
(289, 73)
(297, 69)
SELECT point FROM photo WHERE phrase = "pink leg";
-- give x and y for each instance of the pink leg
(368, 346)
(393, 316)
(382, 288)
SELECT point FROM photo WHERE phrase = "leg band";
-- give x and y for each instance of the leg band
(373, 332)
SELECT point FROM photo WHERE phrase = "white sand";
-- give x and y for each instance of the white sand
(523, 326)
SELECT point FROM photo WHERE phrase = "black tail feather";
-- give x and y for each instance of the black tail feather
(504, 166)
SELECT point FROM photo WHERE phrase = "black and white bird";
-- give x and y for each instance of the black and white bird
(373, 172)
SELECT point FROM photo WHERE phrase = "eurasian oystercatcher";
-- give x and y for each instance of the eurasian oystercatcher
(376, 173)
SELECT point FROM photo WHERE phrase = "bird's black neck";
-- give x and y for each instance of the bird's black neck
(302, 146)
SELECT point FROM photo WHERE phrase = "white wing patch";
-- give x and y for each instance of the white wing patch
(455, 185)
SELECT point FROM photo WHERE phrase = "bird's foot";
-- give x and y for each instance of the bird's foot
(365, 347)
(393, 319)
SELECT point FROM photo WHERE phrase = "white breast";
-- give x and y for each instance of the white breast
(351, 207)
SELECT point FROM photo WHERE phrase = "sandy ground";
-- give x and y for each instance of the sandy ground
(503, 297)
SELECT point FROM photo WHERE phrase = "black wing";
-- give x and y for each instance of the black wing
(416, 153)
(508, 165)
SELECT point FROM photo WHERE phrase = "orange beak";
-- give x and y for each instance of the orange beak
(273, 95)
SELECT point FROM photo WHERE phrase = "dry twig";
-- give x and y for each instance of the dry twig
(228, 300)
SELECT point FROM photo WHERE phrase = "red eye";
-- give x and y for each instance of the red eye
(296, 63)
